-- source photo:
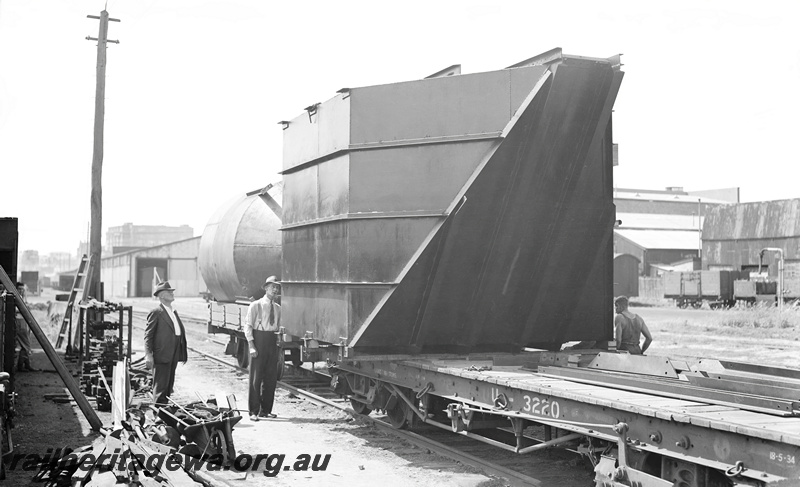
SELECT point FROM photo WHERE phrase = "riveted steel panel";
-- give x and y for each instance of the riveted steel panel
(416, 178)
(318, 308)
(380, 249)
(455, 105)
(323, 132)
(299, 255)
(333, 187)
(301, 196)
(521, 81)
(331, 252)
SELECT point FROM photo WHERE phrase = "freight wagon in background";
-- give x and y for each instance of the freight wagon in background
(697, 287)
(440, 239)
(724, 289)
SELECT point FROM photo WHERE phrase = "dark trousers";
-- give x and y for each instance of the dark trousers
(164, 380)
(24, 341)
(263, 373)
(632, 348)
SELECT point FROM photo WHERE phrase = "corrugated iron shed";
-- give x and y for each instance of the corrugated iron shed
(734, 235)
(759, 220)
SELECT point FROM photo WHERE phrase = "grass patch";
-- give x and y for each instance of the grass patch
(769, 318)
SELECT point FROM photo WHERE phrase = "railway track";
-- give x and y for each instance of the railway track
(313, 385)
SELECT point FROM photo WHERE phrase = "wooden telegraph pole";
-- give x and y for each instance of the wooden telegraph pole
(97, 154)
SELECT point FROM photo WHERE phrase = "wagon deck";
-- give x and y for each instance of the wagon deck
(692, 413)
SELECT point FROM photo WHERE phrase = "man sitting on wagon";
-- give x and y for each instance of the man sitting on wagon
(629, 328)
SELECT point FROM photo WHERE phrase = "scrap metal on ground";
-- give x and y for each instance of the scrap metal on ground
(150, 448)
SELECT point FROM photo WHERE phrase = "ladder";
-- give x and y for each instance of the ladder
(79, 284)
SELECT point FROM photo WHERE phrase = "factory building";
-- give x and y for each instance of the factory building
(661, 230)
(133, 273)
(129, 237)
(735, 235)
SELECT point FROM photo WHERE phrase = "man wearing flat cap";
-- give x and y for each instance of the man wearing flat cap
(261, 324)
(164, 343)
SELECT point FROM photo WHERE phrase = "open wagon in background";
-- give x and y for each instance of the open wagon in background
(715, 287)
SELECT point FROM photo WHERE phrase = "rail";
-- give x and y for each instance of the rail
(515, 478)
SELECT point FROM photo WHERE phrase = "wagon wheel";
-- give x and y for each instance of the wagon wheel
(359, 407)
(397, 415)
(281, 363)
(219, 446)
(697, 304)
(243, 354)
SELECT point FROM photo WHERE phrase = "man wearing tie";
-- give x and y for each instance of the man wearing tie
(260, 326)
(164, 343)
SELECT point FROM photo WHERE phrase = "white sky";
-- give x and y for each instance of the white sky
(195, 89)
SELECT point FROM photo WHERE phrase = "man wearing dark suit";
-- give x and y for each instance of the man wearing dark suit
(164, 343)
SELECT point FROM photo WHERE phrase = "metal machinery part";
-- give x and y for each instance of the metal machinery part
(456, 214)
(217, 445)
(642, 420)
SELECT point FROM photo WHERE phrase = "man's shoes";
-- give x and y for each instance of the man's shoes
(253, 417)
(267, 415)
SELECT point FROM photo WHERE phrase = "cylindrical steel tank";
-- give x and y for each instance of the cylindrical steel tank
(241, 245)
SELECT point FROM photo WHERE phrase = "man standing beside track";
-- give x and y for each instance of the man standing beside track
(260, 326)
(164, 344)
(629, 328)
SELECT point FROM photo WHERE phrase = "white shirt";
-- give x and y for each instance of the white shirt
(174, 319)
(258, 315)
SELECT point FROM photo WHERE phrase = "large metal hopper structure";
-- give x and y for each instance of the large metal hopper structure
(463, 213)
(241, 245)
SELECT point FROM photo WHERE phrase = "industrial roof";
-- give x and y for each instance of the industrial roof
(661, 239)
(754, 221)
(623, 194)
(658, 221)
